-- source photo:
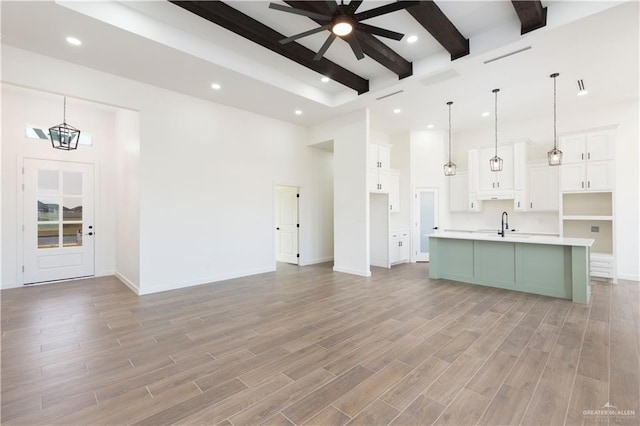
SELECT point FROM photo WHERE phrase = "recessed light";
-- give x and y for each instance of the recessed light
(298, 112)
(325, 79)
(485, 114)
(412, 39)
(74, 41)
(397, 111)
(430, 126)
(216, 86)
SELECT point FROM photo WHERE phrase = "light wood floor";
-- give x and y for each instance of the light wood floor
(310, 346)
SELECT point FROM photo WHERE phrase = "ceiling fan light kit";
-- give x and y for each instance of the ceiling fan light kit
(345, 22)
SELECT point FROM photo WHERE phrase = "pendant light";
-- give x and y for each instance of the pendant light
(450, 168)
(555, 155)
(64, 136)
(496, 162)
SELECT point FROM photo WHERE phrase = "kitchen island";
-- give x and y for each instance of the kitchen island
(545, 265)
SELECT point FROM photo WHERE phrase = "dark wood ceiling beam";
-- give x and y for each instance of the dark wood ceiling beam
(531, 14)
(241, 24)
(371, 46)
(429, 15)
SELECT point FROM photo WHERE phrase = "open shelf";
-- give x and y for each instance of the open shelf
(601, 231)
(591, 204)
(578, 217)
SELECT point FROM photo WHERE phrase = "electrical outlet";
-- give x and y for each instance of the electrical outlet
(595, 229)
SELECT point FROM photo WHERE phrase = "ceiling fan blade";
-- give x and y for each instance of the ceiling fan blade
(354, 5)
(306, 13)
(387, 8)
(379, 31)
(355, 46)
(332, 5)
(324, 47)
(304, 34)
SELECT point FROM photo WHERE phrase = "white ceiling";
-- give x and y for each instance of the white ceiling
(161, 44)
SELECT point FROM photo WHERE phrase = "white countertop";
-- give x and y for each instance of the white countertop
(515, 238)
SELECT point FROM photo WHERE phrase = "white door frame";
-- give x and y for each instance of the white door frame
(415, 211)
(275, 220)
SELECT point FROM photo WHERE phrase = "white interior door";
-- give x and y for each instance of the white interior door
(58, 221)
(287, 224)
(426, 221)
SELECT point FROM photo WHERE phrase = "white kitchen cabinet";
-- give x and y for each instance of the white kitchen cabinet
(520, 201)
(394, 190)
(399, 246)
(587, 162)
(474, 204)
(587, 176)
(458, 192)
(491, 182)
(378, 157)
(544, 188)
(596, 146)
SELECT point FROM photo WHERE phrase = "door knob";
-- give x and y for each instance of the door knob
(277, 229)
(90, 233)
(435, 227)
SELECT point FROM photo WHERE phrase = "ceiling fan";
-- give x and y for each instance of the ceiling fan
(345, 23)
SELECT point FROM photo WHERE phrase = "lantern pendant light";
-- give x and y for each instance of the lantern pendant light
(64, 136)
(496, 162)
(450, 168)
(555, 155)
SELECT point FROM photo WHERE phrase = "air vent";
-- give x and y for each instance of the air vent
(507, 54)
(389, 95)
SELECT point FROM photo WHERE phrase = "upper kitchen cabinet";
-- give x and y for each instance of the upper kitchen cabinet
(458, 192)
(380, 178)
(587, 162)
(595, 146)
(544, 191)
(498, 185)
(378, 157)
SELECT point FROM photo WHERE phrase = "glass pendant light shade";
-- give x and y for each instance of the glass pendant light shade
(555, 155)
(495, 163)
(450, 167)
(64, 136)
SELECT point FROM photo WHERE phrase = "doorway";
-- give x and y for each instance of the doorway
(58, 234)
(425, 223)
(287, 224)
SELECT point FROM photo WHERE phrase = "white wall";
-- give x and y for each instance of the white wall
(540, 131)
(427, 150)
(350, 136)
(127, 137)
(22, 107)
(206, 175)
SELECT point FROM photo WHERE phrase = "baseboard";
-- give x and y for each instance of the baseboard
(316, 261)
(352, 271)
(629, 277)
(202, 281)
(7, 286)
(128, 283)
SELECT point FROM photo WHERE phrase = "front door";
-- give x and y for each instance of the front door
(58, 241)
(287, 224)
(426, 221)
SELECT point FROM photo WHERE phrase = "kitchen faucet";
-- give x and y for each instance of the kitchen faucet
(504, 223)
